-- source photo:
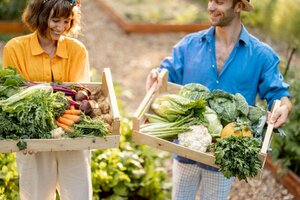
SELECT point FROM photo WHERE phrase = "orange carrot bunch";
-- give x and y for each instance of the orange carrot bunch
(68, 118)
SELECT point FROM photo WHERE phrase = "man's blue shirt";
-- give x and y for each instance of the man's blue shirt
(251, 68)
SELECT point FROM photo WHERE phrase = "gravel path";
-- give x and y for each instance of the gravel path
(130, 57)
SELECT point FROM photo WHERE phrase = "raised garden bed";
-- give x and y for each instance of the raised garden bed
(290, 180)
(136, 22)
(12, 27)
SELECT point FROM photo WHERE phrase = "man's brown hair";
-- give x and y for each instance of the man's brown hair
(37, 13)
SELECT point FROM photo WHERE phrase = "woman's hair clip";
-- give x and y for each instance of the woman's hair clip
(74, 2)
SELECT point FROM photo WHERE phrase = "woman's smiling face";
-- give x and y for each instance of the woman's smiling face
(57, 26)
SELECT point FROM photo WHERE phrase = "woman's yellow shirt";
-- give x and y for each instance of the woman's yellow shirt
(69, 64)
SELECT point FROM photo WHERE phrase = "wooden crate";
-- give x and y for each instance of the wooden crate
(206, 158)
(63, 144)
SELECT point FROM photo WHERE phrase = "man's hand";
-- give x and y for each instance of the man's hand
(281, 114)
(153, 77)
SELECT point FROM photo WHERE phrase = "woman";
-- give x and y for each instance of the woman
(47, 55)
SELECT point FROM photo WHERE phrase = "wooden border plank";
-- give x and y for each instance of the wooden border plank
(12, 27)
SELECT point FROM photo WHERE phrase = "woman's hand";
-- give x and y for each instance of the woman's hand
(153, 77)
(25, 152)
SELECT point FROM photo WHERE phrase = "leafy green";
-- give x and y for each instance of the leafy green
(172, 106)
(255, 113)
(241, 104)
(238, 156)
(60, 103)
(214, 125)
(88, 126)
(228, 106)
(28, 113)
(224, 104)
(194, 91)
(10, 81)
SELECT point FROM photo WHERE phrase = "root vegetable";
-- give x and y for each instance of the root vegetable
(72, 111)
(97, 112)
(96, 94)
(105, 107)
(65, 121)
(74, 118)
(107, 118)
(64, 126)
(86, 107)
(81, 95)
(94, 104)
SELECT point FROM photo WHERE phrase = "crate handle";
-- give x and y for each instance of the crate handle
(107, 79)
(270, 127)
(164, 76)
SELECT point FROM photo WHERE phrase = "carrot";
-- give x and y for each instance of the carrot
(72, 112)
(64, 126)
(74, 118)
(65, 121)
(72, 107)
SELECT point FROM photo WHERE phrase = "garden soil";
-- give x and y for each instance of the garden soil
(130, 58)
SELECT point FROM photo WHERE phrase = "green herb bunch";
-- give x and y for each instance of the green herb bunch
(237, 156)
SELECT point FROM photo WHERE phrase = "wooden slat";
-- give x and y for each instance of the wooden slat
(166, 145)
(64, 144)
(270, 127)
(145, 104)
(109, 89)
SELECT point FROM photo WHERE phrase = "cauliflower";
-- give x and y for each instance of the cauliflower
(197, 139)
(57, 133)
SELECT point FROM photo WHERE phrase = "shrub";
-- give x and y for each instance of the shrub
(130, 172)
(286, 151)
(12, 9)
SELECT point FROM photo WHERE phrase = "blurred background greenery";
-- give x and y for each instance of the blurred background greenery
(137, 171)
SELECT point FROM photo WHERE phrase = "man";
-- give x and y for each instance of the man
(226, 57)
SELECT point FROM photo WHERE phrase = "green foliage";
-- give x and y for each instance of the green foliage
(129, 172)
(12, 9)
(237, 156)
(261, 16)
(286, 22)
(9, 179)
(286, 151)
(276, 18)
